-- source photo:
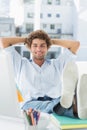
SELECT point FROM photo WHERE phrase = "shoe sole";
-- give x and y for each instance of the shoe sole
(82, 97)
(70, 79)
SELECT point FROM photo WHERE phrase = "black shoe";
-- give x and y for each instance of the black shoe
(58, 109)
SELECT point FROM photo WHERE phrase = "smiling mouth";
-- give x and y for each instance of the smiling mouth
(39, 53)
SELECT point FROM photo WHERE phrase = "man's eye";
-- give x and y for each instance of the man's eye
(34, 45)
(43, 46)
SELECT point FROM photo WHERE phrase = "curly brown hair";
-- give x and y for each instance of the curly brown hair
(40, 34)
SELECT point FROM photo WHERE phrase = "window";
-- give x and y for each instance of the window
(57, 2)
(4, 27)
(53, 54)
(41, 15)
(52, 26)
(49, 2)
(59, 30)
(57, 15)
(44, 25)
(49, 15)
(26, 54)
(30, 15)
(50, 55)
(18, 49)
(29, 1)
(29, 28)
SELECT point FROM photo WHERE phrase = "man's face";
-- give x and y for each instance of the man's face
(38, 49)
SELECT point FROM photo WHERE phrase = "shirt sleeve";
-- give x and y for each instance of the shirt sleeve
(16, 59)
(64, 58)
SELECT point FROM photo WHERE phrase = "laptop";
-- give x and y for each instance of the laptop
(9, 105)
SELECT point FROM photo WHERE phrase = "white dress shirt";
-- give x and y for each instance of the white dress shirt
(34, 81)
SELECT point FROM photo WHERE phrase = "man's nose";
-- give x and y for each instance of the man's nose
(38, 48)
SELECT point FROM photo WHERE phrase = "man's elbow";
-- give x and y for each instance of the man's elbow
(77, 45)
(3, 43)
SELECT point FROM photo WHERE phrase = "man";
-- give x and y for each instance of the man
(39, 79)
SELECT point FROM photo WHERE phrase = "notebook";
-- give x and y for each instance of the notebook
(68, 123)
(9, 105)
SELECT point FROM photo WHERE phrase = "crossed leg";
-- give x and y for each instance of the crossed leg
(68, 98)
(70, 80)
(74, 95)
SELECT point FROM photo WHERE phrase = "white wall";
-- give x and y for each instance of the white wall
(82, 22)
(7, 123)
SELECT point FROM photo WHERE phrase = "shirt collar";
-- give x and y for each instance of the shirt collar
(46, 61)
